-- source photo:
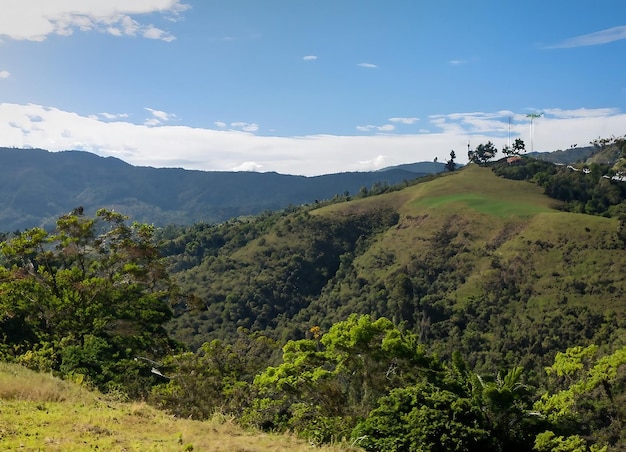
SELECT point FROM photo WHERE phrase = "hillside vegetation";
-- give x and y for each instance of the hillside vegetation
(469, 265)
(469, 261)
(40, 412)
(464, 311)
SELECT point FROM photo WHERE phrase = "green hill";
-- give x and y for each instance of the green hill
(469, 261)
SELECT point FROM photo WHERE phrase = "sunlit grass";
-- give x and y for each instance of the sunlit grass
(40, 412)
(484, 204)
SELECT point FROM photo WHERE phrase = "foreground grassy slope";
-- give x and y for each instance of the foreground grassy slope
(40, 412)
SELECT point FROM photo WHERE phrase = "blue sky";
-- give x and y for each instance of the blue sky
(303, 87)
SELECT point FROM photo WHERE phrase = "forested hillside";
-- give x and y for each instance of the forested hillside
(462, 311)
(37, 186)
(476, 262)
(469, 264)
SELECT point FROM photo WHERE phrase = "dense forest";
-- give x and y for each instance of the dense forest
(480, 309)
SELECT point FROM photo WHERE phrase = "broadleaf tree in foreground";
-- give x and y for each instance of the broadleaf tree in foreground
(88, 298)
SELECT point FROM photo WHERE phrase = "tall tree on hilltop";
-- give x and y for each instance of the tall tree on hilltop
(483, 153)
(450, 164)
(85, 298)
(519, 146)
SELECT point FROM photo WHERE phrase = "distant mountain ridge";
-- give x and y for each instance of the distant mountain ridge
(419, 167)
(36, 186)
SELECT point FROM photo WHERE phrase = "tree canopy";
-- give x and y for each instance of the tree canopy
(86, 298)
(483, 153)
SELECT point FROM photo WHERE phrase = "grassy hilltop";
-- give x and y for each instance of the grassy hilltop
(488, 219)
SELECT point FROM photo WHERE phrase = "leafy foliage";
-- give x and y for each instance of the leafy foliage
(483, 153)
(367, 380)
(590, 393)
(264, 279)
(85, 299)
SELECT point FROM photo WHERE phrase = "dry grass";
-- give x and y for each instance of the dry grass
(19, 383)
(40, 412)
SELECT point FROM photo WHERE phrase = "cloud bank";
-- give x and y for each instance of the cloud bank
(35, 20)
(224, 149)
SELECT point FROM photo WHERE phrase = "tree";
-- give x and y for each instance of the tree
(450, 165)
(518, 146)
(591, 401)
(93, 293)
(218, 376)
(423, 417)
(325, 384)
(483, 153)
(517, 149)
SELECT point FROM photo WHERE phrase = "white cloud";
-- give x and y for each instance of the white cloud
(309, 58)
(111, 116)
(407, 121)
(581, 112)
(367, 65)
(378, 162)
(371, 128)
(248, 166)
(5, 74)
(151, 32)
(457, 62)
(152, 122)
(158, 117)
(245, 126)
(593, 39)
(219, 124)
(210, 149)
(35, 20)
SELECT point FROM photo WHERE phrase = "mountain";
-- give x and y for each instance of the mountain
(419, 167)
(36, 186)
(605, 151)
(468, 261)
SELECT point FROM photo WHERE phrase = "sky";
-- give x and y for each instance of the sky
(308, 87)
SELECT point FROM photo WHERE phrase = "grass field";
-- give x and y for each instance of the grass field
(40, 412)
